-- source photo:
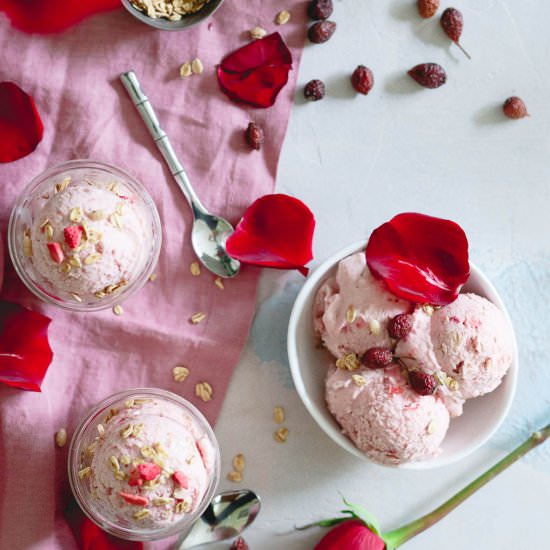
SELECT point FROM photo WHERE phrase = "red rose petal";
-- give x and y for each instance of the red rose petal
(48, 16)
(90, 537)
(420, 258)
(275, 231)
(25, 352)
(21, 128)
(353, 535)
(256, 73)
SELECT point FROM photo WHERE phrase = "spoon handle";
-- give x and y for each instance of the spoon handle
(145, 109)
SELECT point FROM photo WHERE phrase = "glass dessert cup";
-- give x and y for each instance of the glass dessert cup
(53, 274)
(159, 517)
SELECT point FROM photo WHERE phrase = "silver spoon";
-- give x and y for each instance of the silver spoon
(228, 515)
(209, 232)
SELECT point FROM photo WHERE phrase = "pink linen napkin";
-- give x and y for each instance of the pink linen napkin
(73, 78)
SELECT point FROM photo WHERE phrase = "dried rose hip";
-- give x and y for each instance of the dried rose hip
(320, 9)
(314, 90)
(422, 382)
(377, 358)
(239, 544)
(362, 79)
(321, 31)
(401, 325)
(514, 107)
(429, 75)
(254, 136)
(427, 8)
(453, 23)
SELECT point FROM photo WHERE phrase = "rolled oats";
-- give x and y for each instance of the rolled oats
(239, 462)
(204, 391)
(283, 17)
(235, 477)
(196, 66)
(281, 435)
(278, 415)
(257, 32)
(180, 373)
(61, 437)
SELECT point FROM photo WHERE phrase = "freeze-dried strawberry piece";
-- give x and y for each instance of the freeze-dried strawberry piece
(148, 471)
(136, 500)
(181, 479)
(134, 479)
(56, 252)
(73, 235)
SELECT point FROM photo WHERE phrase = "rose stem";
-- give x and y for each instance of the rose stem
(397, 537)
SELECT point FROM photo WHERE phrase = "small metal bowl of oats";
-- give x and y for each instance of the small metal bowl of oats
(171, 15)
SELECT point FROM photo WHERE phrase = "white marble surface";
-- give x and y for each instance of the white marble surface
(357, 161)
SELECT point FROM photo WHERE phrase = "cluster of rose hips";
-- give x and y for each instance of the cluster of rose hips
(379, 357)
(428, 75)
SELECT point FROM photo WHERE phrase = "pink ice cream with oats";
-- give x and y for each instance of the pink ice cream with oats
(90, 239)
(416, 350)
(473, 344)
(150, 464)
(384, 417)
(352, 309)
(466, 347)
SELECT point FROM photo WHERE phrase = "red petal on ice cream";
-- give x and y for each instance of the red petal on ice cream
(21, 128)
(275, 231)
(351, 535)
(256, 73)
(25, 352)
(48, 16)
(420, 258)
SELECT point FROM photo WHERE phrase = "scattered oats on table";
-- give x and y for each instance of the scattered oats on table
(196, 66)
(153, 277)
(283, 17)
(204, 391)
(196, 318)
(180, 373)
(235, 477)
(278, 415)
(239, 462)
(195, 269)
(257, 32)
(61, 437)
(280, 435)
(185, 70)
(117, 309)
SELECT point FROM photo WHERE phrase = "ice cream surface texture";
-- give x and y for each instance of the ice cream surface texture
(384, 417)
(473, 344)
(352, 309)
(149, 465)
(90, 239)
(395, 386)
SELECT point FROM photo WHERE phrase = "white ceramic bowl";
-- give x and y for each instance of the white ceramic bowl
(308, 364)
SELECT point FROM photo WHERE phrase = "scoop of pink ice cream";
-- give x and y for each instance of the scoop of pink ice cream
(384, 417)
(112, 240)
(150, 465)
(416, 350)
(352, 310)
(473, 344)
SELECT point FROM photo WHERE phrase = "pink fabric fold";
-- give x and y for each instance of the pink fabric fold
(73, 78)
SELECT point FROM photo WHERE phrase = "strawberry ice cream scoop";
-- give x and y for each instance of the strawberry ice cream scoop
(149, 466)
(473, 344)
(384, 417)
(90, 239)
(416, 351)
(352, 310)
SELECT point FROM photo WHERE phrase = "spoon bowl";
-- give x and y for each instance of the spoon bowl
(210, 232)
(226, 517)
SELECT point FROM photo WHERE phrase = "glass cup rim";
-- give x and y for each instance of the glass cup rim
(75, 449)
(42, 177)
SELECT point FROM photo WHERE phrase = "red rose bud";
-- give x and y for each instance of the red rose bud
(257, 72)
(420, 258)
(351, 535)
